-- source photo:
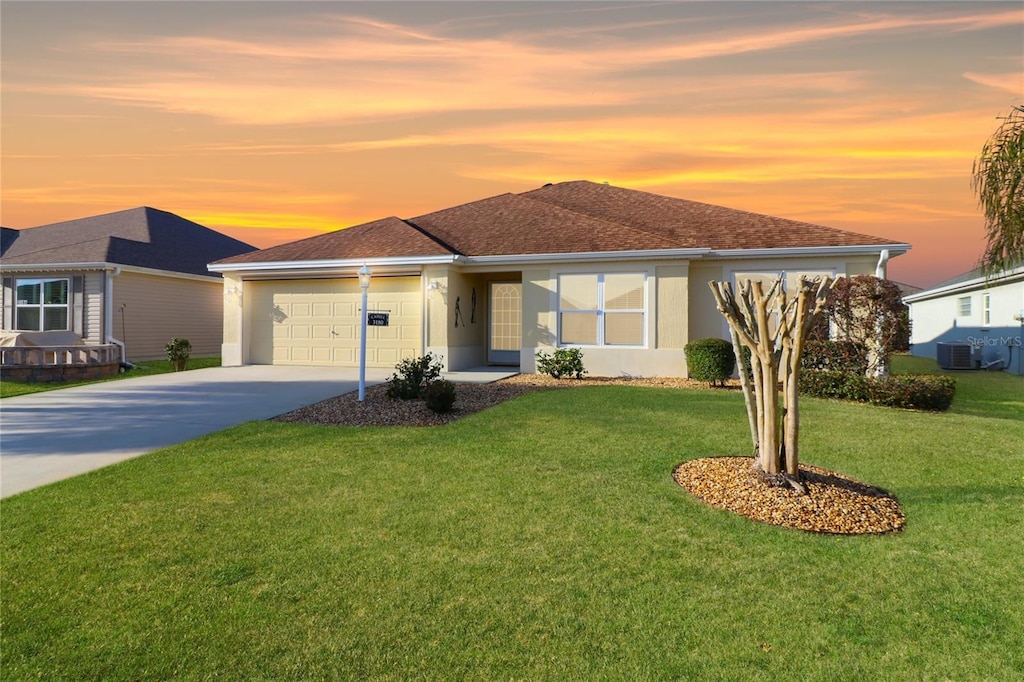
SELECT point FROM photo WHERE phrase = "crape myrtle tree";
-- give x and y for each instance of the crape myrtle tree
(774, 325)
(998, 180)
(869, 311)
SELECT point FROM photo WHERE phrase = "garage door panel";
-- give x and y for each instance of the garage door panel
(344, 356)
(303, 322)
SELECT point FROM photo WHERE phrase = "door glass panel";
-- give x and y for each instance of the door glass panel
(506, 317)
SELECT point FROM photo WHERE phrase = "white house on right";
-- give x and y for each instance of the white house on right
(971, 322)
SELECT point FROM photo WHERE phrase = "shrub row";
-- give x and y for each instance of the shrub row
(907, 391)
(835, 356)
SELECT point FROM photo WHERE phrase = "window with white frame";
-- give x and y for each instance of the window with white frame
(986, 310)
(42, 305)
(601, 309)
(963, 306)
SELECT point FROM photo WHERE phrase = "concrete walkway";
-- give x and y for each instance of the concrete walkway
(50, 436)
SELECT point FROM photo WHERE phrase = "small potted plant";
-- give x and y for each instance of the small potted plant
(178, 351)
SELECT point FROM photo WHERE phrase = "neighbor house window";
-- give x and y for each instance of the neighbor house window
(963, 306)
(601, 310)
(986, 310)
(42, 305)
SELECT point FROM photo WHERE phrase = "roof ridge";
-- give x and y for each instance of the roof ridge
(631, 228)
(437, 240)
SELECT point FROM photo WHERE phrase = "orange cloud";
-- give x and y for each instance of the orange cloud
(1011, 82)
(359, 69)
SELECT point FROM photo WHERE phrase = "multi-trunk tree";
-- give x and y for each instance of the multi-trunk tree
(773, 325)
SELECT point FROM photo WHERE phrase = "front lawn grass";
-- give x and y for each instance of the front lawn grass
(9, 389)
(541, 539)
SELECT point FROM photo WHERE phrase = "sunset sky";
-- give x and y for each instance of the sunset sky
(272, 121)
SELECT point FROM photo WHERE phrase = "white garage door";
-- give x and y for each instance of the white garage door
(316, 321)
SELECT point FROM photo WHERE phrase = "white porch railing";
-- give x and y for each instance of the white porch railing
(54, 356)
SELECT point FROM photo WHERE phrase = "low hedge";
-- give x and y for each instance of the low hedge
(710, 360)
(907, 391)
(835, 356)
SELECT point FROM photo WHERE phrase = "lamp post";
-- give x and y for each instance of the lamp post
(364, 284)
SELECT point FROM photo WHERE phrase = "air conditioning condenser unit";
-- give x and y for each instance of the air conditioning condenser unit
(955, 356)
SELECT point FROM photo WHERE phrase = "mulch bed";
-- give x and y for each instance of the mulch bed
(834, 503)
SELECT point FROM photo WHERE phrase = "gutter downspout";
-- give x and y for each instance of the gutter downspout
(883, 261)
(108, 313)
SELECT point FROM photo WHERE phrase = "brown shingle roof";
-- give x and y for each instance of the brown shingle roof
(510, 224)
(570, 217)
(386, 238)
(691, 224)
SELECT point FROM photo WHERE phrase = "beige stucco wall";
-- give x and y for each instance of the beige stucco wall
(673, 305)
(539, 317)
(232, 349)
(706, 321)
(150, 310)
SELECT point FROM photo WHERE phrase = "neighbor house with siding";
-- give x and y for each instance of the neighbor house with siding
(983, 312)
(136, 277)
(621, 274)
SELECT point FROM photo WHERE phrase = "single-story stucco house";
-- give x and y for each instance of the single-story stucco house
(619, 273)
(971, 321)
(132, 279)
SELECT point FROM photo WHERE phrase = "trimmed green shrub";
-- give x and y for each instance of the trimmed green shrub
(440, 396)
(913, 391)
(564, 362)
(412, 376)
(835, 356)
(836, 385)
(710, 360)
(906, 391)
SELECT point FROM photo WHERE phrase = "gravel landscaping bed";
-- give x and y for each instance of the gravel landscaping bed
(834, 503)
(379, 410)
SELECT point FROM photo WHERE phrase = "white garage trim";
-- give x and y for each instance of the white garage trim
(316, 321)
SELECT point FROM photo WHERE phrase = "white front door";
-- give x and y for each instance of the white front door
(505, 331)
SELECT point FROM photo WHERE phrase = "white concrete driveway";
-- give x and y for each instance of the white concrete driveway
(46, 437)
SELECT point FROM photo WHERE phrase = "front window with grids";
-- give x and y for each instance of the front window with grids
(601, 309)
(42, 305)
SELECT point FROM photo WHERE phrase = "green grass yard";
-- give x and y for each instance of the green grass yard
(541, 539)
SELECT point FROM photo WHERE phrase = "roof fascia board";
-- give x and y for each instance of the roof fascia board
(321, 265)
(1015, 275)
(861, 250)
(93, 267)
(52, 267)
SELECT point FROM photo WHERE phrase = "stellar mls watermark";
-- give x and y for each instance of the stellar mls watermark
(982, 341)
